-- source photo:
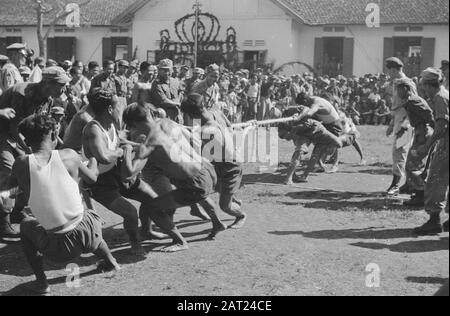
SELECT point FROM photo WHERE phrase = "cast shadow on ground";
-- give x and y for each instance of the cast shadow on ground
(367, 233)
(342, 201)
(426, 280)
(379, 172)
(414, 246)
(22, 290)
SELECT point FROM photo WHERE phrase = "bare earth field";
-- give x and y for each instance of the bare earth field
(314, 239)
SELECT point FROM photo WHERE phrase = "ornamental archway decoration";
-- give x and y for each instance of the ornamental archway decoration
(210, 48)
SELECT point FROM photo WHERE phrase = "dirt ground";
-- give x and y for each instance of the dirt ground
(314, 239)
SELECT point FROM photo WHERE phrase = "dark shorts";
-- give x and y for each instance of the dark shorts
(326, 138)
(157, 180)
(84, 239)
(107, 188)
(229, 177)
(198, 188)
(335, 128)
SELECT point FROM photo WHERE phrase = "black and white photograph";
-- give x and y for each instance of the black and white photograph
(224, 154)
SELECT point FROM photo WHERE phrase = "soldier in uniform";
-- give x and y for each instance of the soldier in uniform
(436, 188)
(399, 121)
(105, 80)
(123, 88)
(3, 60)
(165, 93)
(197, 73)
(9, 74)
(421, 119)
(209, 88)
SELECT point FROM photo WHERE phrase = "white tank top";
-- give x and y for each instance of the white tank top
(112, 145)
(55, 198)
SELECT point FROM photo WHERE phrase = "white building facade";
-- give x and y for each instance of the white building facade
(276, 32)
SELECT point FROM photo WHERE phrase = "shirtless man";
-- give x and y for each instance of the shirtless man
(101, 141)
(323, 111)
(228, 172)
(63, 230)
(74, 132)
(309, 131)
(167, 148)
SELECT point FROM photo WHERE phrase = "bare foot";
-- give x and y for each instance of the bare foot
(216, 231)
(333, 170)
(175, 248)
(363, 163)
(40, 288)
(108, 266)
(239, 222)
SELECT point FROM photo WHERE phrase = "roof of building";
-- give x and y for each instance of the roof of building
(353, 12)
(310, 12)
(95, 12)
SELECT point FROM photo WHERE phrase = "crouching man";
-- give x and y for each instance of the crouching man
(167, 149)
(62, 229)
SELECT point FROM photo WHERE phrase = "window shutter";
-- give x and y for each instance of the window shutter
(388, 50)
(107, 48)
(130, 48)
(318, 55)
(349, 46)
(51, 48)
(3, 46)
(428, 48)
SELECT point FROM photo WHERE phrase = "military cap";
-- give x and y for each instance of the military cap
(394, 62)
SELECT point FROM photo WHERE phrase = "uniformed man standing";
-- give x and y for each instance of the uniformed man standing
(444, 68)
(209, 88)
(197, 74)
(399, 122)
(165, 91)
(105, 80)
(9, 74)
(122, 83)
(436, 188)
(3, 60)
(421, 119)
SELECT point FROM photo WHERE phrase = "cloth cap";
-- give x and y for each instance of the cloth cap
(55, 74)
(404, 82)
(432, 75)
(124, 63)
(198, 71)
(165, 64)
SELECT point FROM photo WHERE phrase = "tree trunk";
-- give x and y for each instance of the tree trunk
(40, 32)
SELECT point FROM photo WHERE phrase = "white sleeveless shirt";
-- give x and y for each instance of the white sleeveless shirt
(112, 145)
(55, 198)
